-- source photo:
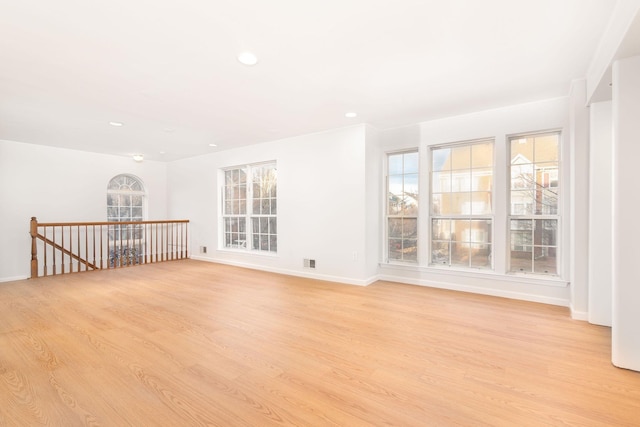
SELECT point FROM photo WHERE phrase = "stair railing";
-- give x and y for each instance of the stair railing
(71, 247)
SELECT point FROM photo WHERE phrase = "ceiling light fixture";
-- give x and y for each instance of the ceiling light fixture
(247, 58)
(350, 115)
(213, 145)
(138, 157)
(116, 124)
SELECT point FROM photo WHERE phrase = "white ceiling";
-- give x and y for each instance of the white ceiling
(167, 69)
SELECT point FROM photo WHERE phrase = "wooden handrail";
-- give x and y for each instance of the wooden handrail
(111, 244)
(82, 224)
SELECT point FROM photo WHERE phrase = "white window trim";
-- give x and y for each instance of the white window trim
(428, 262)
(561, 238)
(247, 250)
(385, 209)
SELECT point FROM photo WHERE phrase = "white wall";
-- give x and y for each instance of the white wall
(59, 185)
(374, 202)
(578, 192)
(321, 204)
(498, 124)
(600, 213)
(626, 205)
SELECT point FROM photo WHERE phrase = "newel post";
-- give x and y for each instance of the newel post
(34, 248)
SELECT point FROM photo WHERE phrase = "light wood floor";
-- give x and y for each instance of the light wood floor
(190, 343)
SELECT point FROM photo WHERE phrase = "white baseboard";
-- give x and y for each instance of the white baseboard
(392, 278)
(307, 275)
(477, 290)
(13, 279)
(579, 315)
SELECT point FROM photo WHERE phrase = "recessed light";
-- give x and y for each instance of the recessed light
(138, 157)
(213, 145)
(163, 152)
(350, 115)
(247, 58)
(117, 124)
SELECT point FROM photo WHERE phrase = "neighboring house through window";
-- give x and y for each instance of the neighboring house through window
(461, 208)
(534, 201)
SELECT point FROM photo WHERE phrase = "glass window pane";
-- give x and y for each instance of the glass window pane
(461, 157)
(460, 230)
(411, 185)
(480, 231)
(460, 204)
(395, 194)
(395, 249)
(440, 252)
(545, 261)
(522, 202)
(441, 182)
(521, 150)
(273, 244)
(461, 181)
(411, 162)
(409, 250)
(395, 228)
(482, 155)
(409, 228)
(520, 238)
(522, 176)
(547, 201)
(274, 206)
(545, 232)
(480, 203)
(441, 159)
(481, 179)
(460, 254)
(273, 226)
(395, 164)
(546, 148)
(522, 259)
(440, 229)
(480, 255)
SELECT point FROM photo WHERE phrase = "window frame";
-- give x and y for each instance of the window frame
(388, 216)
(489, 217)
(534, 217)
(249, 218)
(132, 235)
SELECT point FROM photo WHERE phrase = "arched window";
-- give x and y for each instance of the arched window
(125, 203)
(125, 199)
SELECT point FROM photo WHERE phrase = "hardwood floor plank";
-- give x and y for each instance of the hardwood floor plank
(193, 343)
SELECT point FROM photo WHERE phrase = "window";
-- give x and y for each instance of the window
(402, 206)
(461, 208)
(534, 197)
(249, 208)
(125, 203)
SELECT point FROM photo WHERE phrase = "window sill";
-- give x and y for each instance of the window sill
(247, 252)
(543, 280)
